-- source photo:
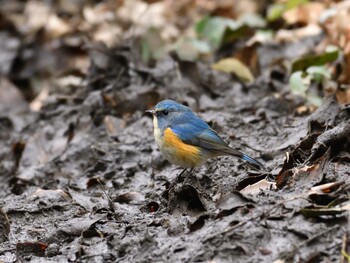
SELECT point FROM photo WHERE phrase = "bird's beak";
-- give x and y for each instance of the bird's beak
(153, 112)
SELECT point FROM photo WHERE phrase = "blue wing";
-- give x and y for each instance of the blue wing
(194, 131)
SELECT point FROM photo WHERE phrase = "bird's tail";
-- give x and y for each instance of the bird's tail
(252, 162)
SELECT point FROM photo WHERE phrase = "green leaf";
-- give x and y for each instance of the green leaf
(252, 20)
(346, 255)
(317, 60)
(242, 27)
(190, 48)
(308, 212)
(295, 3)
(313, 99)
(275, 11)
(152, 46)
(213, 28)
(297, 84)
(217, 30)
(145, 51)
(200, 26)
(325, 211)
(318, 73)
(232, 34)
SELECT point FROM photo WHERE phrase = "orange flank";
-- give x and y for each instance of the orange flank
(183, 154)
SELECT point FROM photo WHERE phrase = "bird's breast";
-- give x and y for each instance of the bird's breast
(176, 151)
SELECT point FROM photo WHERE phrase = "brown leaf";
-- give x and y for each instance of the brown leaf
(128, 197)
(50, 195)
(262, 185)
(304, 14)
(343, 94)
(325, 188)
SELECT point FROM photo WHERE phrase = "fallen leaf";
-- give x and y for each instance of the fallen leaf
(325, 188)
(318, 211)
(37, 103)
(49, 195)
(297, 83)
(254, 189)
(234, 66)
(276, 10)
(296, 34)
(315, 60)
(213, 29)
(129, 197)
(343, 95)
(198, 223)
(56, 27)
(307, 13)
(42, 147)
(10, 96)
(231, 200)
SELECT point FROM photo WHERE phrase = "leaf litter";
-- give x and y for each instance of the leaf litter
(81, 177)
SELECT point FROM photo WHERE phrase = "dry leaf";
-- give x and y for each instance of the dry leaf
(234, 66)
(254, 189)
(308, 13)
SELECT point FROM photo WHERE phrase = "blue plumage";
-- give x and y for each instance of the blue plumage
(191, 130)
(252, 161)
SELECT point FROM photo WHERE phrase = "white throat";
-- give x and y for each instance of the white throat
(157, 132)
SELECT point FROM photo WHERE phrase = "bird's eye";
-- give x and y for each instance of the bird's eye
(165, 112)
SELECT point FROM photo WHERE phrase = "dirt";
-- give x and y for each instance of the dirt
(83, 181)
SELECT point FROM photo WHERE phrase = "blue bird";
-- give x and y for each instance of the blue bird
(186, 140)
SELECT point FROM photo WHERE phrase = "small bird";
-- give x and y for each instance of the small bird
(186, 140)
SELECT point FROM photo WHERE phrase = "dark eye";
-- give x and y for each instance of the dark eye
(165, 112)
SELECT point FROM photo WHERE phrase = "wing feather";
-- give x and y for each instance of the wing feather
(194, 131)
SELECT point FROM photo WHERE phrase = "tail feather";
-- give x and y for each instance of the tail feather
(252, 162)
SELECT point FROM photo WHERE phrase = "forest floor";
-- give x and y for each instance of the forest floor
(82, 180)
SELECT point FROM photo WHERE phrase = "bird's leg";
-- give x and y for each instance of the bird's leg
(178, 177)
(182, 172)
(175, 181)
(188, 174)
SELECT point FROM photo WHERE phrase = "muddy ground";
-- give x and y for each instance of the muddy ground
(81, 179)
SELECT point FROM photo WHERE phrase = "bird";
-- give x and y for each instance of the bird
(186, 140)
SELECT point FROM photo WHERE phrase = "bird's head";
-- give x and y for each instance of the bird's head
(166, 111)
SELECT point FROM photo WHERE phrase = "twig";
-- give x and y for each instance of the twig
(228, 229)
(343, 259)
(111, 205)
(310, 239)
